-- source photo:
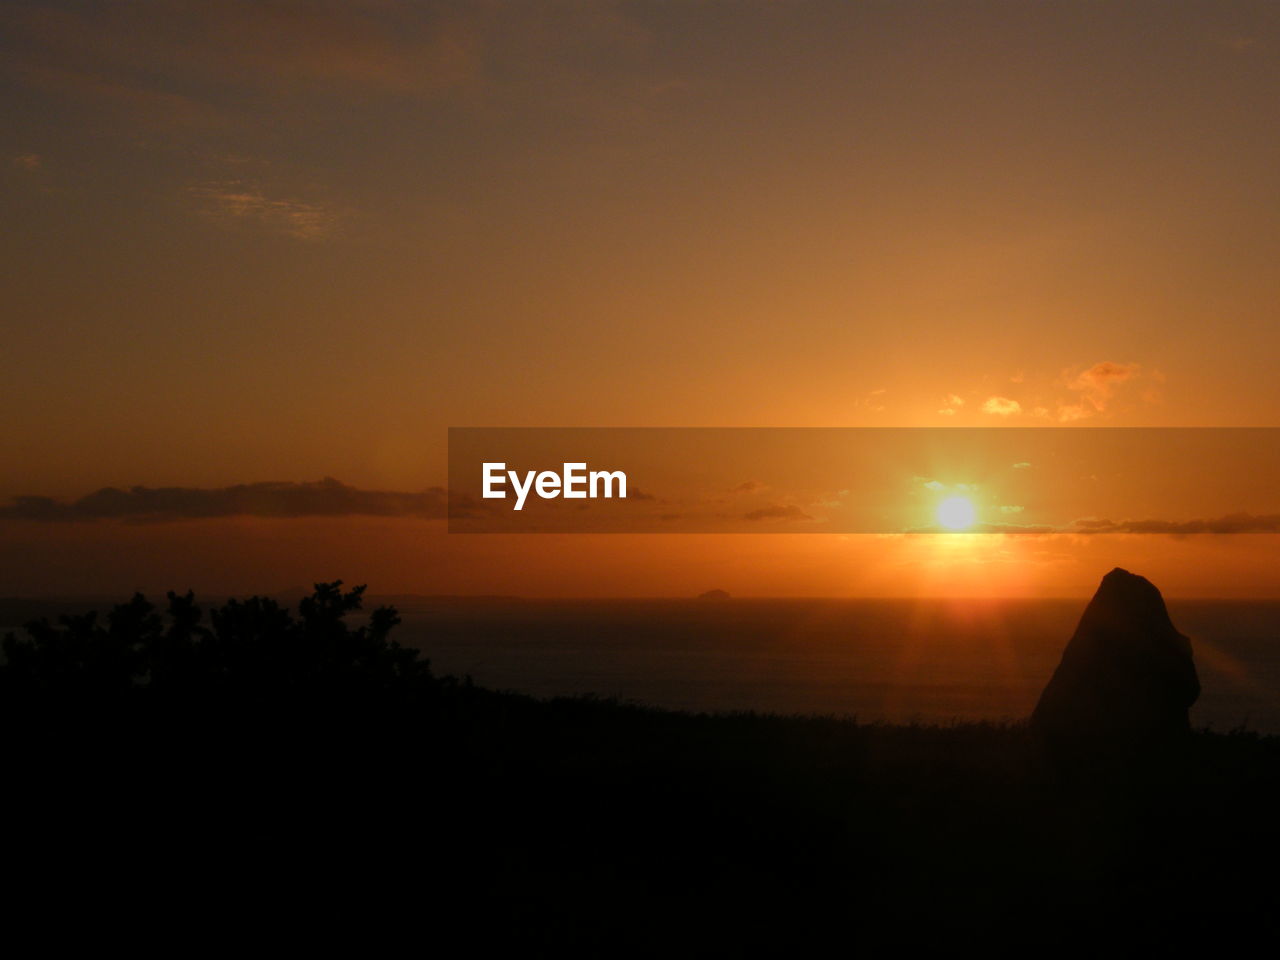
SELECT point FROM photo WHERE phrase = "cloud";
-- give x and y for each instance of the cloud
(154, 55)
(1232, 523)
(937, 486)
(1036, 529)
(1228, 524)
(1095, 388)
(321, 498)
(750, 486)
(229, 64)
(777, 511)
(1005, 528)
(1072, 394)
(1022, 465)
(873, 400)
(1001, 406)
(1236, 42)
(232, 202)
(1102, 377)
(28, 161)
(163, 85)
(1011, 509)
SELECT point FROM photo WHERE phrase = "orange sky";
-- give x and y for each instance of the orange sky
(276, 241)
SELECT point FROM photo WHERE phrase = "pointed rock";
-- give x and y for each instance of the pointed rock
(1126, 681)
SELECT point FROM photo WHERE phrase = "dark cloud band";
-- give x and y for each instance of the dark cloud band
(321, 498)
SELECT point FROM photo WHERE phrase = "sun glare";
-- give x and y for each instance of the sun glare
(956, 513)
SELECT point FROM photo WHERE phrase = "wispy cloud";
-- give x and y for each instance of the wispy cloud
(28, 161)
(1236, 42)
(1227, 524)
(168, 59)
(873, 400)
(321, 498)
(1001, 407)
(1072, 394)
(176, 83)
(218, 64)
(777, 511)
(1232, 523)
(1095, 388)
(235, 202)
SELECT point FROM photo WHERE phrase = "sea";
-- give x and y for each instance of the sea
(900, 661)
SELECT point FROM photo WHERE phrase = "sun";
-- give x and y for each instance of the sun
(956, 513)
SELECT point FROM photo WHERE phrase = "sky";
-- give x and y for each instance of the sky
(278, 242)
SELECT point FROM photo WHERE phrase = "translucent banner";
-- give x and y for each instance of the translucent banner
(1179, 481)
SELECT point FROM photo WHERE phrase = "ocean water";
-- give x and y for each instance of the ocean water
(893, 660)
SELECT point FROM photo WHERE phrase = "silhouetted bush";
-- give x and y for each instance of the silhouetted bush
(255, 653)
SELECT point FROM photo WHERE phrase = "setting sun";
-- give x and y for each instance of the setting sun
(956, 513)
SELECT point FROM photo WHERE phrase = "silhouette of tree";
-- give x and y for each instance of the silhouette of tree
(254, 652)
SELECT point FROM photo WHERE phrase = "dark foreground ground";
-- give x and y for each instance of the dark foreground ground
(269, 781)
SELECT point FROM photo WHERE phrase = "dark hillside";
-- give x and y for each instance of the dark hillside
(260, 763)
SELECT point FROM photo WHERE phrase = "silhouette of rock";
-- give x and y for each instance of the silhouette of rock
(714, 595)
(1125, 683)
